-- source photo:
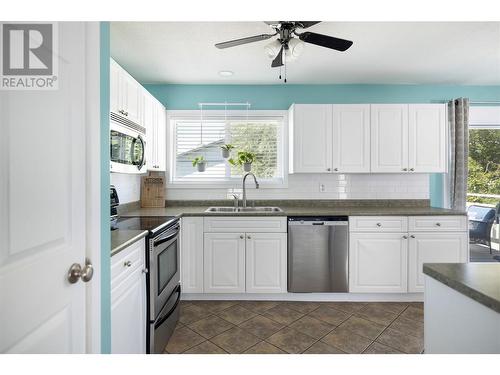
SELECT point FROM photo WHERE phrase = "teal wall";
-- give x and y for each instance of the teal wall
(105, 233)
(281, 96)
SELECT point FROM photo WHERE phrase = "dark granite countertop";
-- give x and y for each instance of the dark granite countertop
(299, 208)
(122, 238)
(478, 281)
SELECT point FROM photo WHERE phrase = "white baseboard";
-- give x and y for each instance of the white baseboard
(317, 297)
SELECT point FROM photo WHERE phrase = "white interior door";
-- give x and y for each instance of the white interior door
(43, 208)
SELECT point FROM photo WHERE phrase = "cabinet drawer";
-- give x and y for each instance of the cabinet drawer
(378, 224)
(231, 224)
(120, 268)
(437, 223)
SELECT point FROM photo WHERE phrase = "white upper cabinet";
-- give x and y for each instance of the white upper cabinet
(126, 96)
(311, 138)
(155, 121)
(351, 138)
(427, 138)
(389, 138)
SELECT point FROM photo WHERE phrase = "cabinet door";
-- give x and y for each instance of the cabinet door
(389, 138)
(266, 263)
(433, 248)
(378, 262)
(149, 124)
(192, 254)
(115, 104)
(312, 138)
(224, 263)
(133, 96)
(161, 137)
(351, 138)
(128, 301)
(427, 138)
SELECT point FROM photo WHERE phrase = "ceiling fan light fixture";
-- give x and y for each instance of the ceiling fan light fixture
(272, 49)
(295, 49)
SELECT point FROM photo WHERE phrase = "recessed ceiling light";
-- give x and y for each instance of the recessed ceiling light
(226, 73)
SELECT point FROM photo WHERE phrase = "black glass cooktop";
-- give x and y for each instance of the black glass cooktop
(151, 223)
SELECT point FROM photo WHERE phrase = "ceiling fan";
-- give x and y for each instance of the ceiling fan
(286, 46)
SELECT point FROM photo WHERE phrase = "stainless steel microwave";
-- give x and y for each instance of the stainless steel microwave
(127, 146)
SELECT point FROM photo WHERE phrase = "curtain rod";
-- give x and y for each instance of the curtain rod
(225, 104)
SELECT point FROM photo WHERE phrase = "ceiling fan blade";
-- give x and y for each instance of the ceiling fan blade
(306, 24)
(250, 39)
(278, 60)
(325, 41)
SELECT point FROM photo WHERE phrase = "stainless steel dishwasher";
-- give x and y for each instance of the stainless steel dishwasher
(318, 254)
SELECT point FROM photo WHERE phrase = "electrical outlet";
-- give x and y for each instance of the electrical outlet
(322, 188)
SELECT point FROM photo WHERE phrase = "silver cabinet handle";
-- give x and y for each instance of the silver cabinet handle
(405, 169)
(242, 236)
(438, 224)
(379, 224)
(405, 237)
(128, 263)
(248, 237)
(328, 169)
(412, 236)
(335, 169)
(412, 169)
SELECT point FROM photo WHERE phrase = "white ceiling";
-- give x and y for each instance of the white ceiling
(462, 53)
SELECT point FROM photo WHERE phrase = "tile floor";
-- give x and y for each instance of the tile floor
(268, 327)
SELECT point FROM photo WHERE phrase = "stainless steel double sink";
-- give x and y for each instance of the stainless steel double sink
(243, 209)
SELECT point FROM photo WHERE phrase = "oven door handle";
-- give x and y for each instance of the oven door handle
(167, 315)
(170, 235)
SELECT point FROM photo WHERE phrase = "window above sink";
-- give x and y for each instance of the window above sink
(262, 132)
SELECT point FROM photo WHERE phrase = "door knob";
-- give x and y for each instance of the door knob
(76, 272)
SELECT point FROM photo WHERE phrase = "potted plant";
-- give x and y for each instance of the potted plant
(245, 159)
(226, 149)
(200, 163)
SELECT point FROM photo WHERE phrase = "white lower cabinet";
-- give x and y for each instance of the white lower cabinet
(433, 248)
(392, 261)
(224, 263)
(191, 250)
(233, 255)
(128, 300)
(266, 263)
(377, 263)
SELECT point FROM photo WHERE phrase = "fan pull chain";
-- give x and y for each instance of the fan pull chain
(285, 70)
(280, 73)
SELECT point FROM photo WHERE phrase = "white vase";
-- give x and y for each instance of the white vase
(247, 167)
(201, 166)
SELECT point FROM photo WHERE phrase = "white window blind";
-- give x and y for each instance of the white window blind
(262, 136)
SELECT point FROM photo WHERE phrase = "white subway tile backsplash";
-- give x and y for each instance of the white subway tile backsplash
(306, 186)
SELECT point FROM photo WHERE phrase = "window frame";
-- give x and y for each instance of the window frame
(194, 115)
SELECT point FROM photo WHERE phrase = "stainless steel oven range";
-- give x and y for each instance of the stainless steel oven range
(163, 285)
